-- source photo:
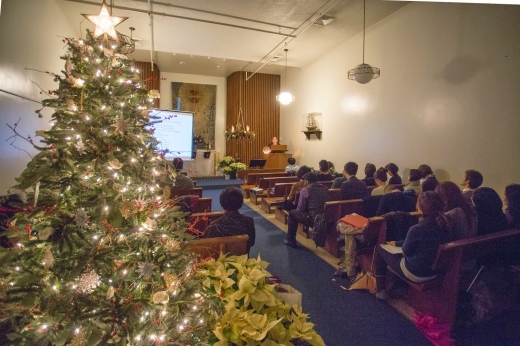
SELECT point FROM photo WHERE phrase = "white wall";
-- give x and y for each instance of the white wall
(29, 31)
(448, 95)
(220, 82)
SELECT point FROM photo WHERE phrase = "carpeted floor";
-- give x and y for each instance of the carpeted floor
(218, 183)
(345, 317)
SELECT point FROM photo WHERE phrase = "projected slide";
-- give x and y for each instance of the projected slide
(175, 131)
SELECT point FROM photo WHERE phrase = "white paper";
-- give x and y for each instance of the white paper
(392, 249)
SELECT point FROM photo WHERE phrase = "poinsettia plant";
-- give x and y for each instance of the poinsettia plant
(253, 315)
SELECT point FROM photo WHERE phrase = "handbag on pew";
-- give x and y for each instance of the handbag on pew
(366, 281)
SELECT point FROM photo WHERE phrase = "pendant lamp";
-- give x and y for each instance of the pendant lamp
(363, 73)
(285, 97)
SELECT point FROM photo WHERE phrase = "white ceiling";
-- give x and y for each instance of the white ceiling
(200, 43)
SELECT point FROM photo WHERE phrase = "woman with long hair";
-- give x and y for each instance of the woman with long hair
(488, 204)
(461, 216)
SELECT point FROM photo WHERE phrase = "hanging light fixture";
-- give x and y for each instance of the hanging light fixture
(285, 97)
(363, 73)
(239, 131)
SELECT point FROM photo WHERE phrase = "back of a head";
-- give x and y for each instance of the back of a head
(474, 178)
(351, 168)
(415, 174)
(291, 160)
(310, 177)
(487, 201)
(324, 166)
(425, 170)
(512, 193)
(451, 195)
(302, 171)
(178, 163)
(381, 174)
(231, 199)
(370, 170)
(430, 204)
(392, 167)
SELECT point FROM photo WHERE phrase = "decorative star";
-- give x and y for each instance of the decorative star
(121, 125)
(105, 23)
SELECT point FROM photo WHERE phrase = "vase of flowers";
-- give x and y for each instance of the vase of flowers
(230, 167)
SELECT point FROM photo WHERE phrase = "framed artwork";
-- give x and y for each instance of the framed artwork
(200, 99)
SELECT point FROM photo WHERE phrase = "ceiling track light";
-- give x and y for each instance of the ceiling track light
(363, 73)
(285, 97)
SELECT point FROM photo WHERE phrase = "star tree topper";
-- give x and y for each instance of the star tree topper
(105, 23)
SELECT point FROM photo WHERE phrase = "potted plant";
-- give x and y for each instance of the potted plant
(253, 314)
(234, 168)
(224, 165)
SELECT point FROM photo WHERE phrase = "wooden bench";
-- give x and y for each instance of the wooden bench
(253, 179)
(244, 173)
(184, 192)
(276, 198)
(266, 184)
(201, 221)
(204, 205)
(213, 247)
(438, 297)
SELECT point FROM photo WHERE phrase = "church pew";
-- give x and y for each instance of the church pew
(184, 192)
(253, 179)
(438, 297)
(266, 184)
(244, 173)
(213, 247)
(282, 215)
(276, 198)
(200, 221)
(204, 205)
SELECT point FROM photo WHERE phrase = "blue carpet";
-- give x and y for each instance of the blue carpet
(218, 183)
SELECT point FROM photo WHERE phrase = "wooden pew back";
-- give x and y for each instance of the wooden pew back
(244, 173)
(184, 192)
(201, 221)
(213, 247)
(254, 178)
(268, 183)
(281, 189)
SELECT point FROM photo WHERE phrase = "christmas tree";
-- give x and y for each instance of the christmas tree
(98, 257)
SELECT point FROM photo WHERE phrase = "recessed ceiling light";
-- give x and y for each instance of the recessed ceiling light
(191, 56)
(218, 65)
(181, 62)
(209, 57)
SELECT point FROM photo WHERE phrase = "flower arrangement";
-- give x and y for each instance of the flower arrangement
(226, 161)
(253, 314)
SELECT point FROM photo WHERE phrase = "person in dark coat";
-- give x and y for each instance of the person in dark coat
(490, 216)
(512, 202)
(232, 222)
(370, 170)
(428, 180)
(352, 187)
(324, 173)
(312, 201)
(395, 179)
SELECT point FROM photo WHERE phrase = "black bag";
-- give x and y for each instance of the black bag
(288, 205)
(319, 230)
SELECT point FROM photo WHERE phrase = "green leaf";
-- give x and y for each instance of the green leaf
(13, 336)
(95, 337)
(28, 300)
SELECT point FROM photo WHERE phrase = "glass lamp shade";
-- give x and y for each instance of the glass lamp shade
(363, 73)
(285, 98)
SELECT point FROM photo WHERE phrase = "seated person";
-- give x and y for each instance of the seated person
(332, 171)
(490, 216)
(380, 178)
(512, 202)
(292, 168)
(181, 181)
(370, 170)
(395, 179)
(352, 187)
(414, 181)
(428, 180)
(419, 247)
(324, 174)
(312, 201)
(472, 180)
(395, 200)
(232, 222)
(290, 204)
(462, 216)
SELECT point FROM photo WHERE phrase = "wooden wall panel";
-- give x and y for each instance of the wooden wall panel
(260, 109)
(151, 78)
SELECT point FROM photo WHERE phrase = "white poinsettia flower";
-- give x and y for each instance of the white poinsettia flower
(45, 233)
(150, 224)
(115, 164)
(161, 297)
